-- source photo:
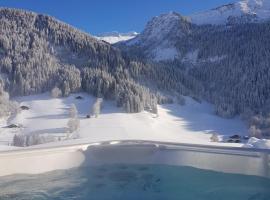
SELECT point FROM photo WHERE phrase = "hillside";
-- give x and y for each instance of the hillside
(38, 53)
(230, 62)
(159, 38)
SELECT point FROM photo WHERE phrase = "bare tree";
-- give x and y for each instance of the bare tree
(73, 112)
(73, 125)
(97, 107)
(155, 111)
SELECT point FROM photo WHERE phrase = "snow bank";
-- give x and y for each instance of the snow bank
(258, 143)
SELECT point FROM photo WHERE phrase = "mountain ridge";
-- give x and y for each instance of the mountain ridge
(251, 10)
(160, 34)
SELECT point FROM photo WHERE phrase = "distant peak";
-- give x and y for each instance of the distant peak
(253, 10)
(117, 34)
(171, 14)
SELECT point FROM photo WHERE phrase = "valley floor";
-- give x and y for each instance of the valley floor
(192, 123)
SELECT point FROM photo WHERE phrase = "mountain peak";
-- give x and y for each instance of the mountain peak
(250, 10)
(171, 23)
(160, 35)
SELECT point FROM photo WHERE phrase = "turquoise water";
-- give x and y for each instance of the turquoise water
(134, 182)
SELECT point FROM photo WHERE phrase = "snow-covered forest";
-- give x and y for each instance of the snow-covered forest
(227, 65)
(39, 53)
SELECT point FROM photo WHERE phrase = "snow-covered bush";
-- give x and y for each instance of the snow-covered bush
(7, 107)
(73, 111)
(56, 92)
(214, 138)
(154, 106)
(260, 126)
(25, 140)
(97, 107)
(19, 141)
(254, 132)
(73, 125)
(257, 143)
(155, 110)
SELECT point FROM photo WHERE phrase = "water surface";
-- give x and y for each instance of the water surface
(134, 182)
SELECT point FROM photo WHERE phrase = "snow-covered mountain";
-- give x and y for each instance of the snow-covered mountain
(165, 36)
(115, 37)
(160, 35)
(224, 58)
(242, 11)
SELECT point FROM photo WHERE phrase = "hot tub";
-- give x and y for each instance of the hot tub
(135, 170)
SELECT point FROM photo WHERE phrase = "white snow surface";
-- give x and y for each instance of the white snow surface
(258, 143)
(192, 123)
(116, 37)
(220, 15)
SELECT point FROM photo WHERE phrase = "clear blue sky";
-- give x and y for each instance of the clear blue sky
(99, 16)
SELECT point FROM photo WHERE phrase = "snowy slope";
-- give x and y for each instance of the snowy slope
(115, 37)
(159, 38)
(252, 10)
(192, 123)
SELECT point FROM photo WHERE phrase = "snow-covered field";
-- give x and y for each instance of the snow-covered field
(192, 123)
